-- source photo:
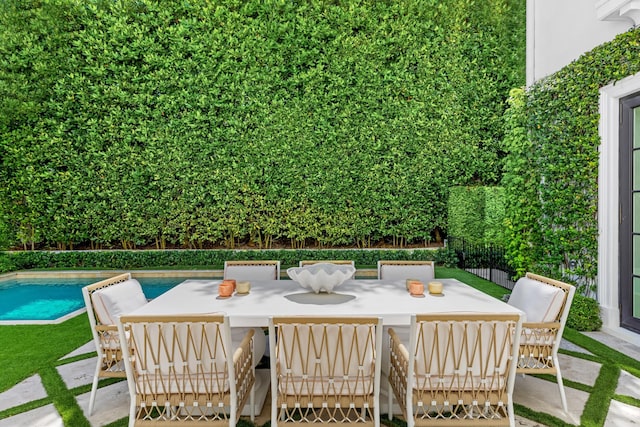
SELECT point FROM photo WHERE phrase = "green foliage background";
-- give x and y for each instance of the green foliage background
(128, 123)
(477, 214)
(551, 171)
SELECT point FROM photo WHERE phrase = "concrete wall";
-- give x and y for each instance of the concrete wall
(559, 31)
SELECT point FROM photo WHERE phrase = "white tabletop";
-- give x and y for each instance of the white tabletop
(386, 299)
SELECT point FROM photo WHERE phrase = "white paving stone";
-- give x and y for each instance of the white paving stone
(45, 416)
(543, 396)
(579, 370)
(616, 343)
(23, 392)
(78, 373)
(622, 415)
(89, 347)
(112, 404)
(628, 385)
(523, 422)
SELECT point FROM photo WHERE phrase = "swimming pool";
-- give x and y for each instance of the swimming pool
(45, 300)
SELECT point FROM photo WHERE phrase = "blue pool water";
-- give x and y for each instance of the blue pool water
(50, 299)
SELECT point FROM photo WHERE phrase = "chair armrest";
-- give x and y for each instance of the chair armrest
(540, 334)
(245, 348)
(107, 328)
(541, 325)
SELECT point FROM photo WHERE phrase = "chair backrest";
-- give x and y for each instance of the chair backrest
(183, 360)
(400, 270)
(106, 300)
(325, 362)
(89, 290)
(542, 299)
(546, 303)
(252, 270)
(306, 262)
(465, 359)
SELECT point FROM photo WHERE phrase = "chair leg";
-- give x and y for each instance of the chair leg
(390, 401)
(274, 414)
(94, 386)
(132, 411)
(512, 416)
(252, 399)
(376, 416)
(563, 397)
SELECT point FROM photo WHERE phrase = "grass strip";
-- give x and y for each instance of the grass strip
(34, 404)
(597, 406)
(63, 399)
(539, 417)
(632, 401)
(579, 355)
(124, 422)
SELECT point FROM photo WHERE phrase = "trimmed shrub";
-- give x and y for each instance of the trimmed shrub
(584, 314)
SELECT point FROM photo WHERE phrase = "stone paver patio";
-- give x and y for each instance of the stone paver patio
(535, 393)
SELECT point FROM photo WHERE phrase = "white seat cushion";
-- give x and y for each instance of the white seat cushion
(122, 298)
(539, 301)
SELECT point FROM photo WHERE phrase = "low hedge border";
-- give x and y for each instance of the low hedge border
(214, 258)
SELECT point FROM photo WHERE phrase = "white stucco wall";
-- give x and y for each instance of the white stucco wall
(559, 31)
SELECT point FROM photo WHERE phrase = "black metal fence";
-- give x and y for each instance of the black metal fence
(486, 261)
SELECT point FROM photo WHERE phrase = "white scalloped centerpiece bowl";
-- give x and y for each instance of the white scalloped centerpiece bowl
(321, 277)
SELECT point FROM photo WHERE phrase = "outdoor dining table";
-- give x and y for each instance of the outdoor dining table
(360, 297)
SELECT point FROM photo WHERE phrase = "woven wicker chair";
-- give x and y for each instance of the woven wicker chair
(460, 371)
(252, 270)
(400, 270)
(306, 262)
(546, 302)
(105, 331)
(325, 370)
(184, 371)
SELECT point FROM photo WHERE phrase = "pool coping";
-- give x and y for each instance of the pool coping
(98, 275)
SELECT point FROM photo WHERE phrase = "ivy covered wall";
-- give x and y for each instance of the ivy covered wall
(551, 170)
(132, 123)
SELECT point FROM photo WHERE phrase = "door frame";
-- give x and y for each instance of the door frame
(608, 206)
(626, 144)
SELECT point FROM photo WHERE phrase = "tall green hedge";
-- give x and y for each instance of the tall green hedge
(520, 181)
(477, 214)
(131, 123)
(552, 172)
